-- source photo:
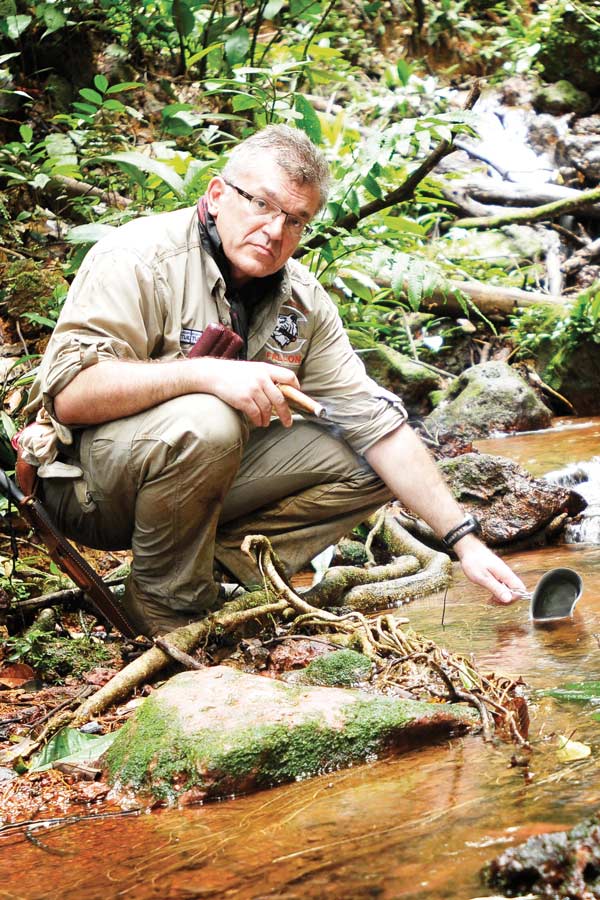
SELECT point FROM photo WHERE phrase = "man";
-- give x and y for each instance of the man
(179, 457)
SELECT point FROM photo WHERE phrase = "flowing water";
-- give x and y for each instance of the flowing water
(415, 826)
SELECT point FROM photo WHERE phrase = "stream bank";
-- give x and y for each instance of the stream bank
(420, 826)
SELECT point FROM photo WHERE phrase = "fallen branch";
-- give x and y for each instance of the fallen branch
(82, 189)
(584, 200)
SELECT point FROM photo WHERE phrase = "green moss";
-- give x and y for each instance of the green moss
(153, 754)
(344, 668)
(54, 656)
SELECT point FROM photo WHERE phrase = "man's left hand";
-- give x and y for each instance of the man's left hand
(483, 567)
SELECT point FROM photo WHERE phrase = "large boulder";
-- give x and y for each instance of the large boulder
(215, 732)
(509, 502)
(561, 97)
(490, 397)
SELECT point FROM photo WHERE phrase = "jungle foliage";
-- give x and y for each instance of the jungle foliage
(109, 111)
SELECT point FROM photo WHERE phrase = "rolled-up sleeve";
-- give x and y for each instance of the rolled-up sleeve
(113, 311)
(333, 373)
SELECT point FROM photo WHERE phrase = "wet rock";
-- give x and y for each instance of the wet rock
(562, 864)
(216, 732)
(509, 502)
(403, 376)
(579, 149)
(517, 91)
(544, 132)
(561, 97)
(486, 398)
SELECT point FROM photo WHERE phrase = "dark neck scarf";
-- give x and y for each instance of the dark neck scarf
(244, 300)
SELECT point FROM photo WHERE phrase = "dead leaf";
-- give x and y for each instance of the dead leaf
(568, 751)
(14, 675)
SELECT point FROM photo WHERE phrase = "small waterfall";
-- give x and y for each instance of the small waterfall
(583, 477)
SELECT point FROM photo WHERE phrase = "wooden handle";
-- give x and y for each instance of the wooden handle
(302, 401)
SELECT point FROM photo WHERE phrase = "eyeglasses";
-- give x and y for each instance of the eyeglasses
(264, 209)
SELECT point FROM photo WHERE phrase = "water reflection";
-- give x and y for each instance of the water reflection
(418, 826)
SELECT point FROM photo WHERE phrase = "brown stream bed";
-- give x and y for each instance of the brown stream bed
(415, 826)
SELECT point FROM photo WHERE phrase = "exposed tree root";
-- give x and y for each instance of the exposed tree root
(402, 658)
(415, 571)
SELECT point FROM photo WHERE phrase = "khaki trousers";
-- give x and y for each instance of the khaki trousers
(182, 484)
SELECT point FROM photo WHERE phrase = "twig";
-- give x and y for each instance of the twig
(67, 820)
(80, 695)
(178, 655)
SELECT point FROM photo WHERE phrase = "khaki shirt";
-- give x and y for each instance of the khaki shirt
(148, 290)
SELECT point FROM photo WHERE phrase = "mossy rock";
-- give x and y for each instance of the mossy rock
(216, 732)
(561, 97)
(342, 668)
(403, 376)
(486, 398)
(349, 553)
(509, 502)
(560, 864)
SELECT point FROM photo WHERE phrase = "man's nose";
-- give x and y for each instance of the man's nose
(275, 226)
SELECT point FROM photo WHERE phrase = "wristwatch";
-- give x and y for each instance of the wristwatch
(469, 525)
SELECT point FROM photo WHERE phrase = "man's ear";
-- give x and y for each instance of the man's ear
(214, 192)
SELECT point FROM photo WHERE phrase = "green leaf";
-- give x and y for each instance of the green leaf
(196, 57)
(113, 105)
(577, 691)
(183, 17)
(372, 185)
(244, 101)
(40, 181)
(148, 165)
(16, 25)
(404, 70)
(26, 132)
(272, 8)
(4, 57)
(71, 746)
(8, 424)
(92, 96)
(403, 224)
(85, 108)
(39, 320)
(60, 146)
(88, 234)
(310, 122)
(101, 83)
(124, 86)
(237, 46)
(54, 19)
(360, 285)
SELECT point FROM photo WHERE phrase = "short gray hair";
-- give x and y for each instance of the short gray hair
(294, 152)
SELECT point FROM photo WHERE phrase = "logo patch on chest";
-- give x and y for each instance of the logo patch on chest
(287, 336)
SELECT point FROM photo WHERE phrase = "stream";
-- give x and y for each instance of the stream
(415, 826)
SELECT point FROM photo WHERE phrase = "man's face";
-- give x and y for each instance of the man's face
(254, 246)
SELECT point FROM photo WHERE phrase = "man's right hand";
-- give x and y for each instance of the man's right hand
(113, 389)
(251, 387)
